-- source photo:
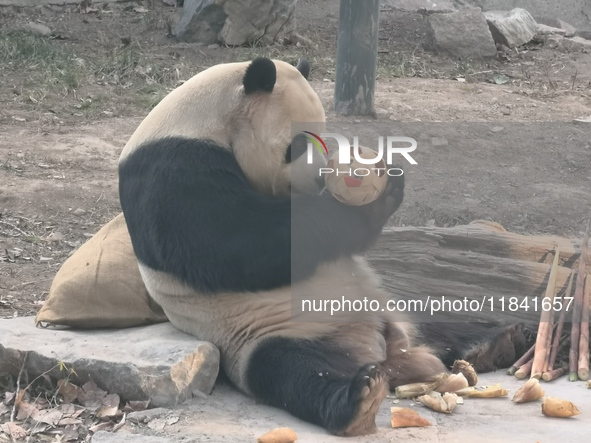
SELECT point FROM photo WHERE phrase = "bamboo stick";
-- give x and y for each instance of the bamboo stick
(555, 373)
(524, 370)
(523, 360)
(583, 370)
(544, 337)
(554, 350)
(573, 357)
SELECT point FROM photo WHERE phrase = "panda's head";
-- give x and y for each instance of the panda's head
(250, 109)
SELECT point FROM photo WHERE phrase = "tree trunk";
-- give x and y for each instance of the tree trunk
(357, 50)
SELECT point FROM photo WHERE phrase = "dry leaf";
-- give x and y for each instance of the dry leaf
(25, 410)
(69, 421)
(90, 396)
(131, 406)
(407, 418)
(108, 411)
(278, 435)
(530, 391)
(4, 409)
(8, 397)
(68, 391)
(48, 416)
(15, 431)
(556, 407)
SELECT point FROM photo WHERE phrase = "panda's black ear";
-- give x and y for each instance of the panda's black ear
(261, 75)
(304, 67)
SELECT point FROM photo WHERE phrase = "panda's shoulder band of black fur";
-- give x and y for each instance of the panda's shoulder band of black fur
(192, 213)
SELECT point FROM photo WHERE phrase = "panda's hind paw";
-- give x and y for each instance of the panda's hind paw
(368, 389)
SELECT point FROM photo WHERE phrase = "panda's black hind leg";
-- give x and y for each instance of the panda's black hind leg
(318, 383)
(487, 346)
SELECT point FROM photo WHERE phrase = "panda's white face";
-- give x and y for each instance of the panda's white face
(274, 161)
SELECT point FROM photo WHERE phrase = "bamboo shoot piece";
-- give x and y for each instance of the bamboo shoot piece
(544, 337)
(530, 391)
(407, 418)
(556, 407)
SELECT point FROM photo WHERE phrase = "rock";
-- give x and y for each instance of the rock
(147, 415)
(544, 30)
(569, 30)
(575, 44)
(201, 21)
(496, 129)
(583, 34)
(463, 33)
(433, 6)
(79, 212)
(514, 28)
(109, 437)
(38, 28)
(236, 23)
(157, 362)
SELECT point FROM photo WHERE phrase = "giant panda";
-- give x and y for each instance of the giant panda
(227, 220)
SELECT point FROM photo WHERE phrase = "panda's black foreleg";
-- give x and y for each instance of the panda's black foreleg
(318, 383)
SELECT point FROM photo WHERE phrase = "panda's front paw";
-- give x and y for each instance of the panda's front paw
(379, 211)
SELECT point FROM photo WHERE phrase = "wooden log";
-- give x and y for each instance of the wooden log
(544, 338)
(475, 262)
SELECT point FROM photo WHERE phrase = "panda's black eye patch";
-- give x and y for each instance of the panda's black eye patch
(296, 148)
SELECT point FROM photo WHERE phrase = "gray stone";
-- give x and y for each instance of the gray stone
(434, 6)
(513, 28)
(109, 437)
(575, 44)
(157, 362)
(575, 12)
(544, 30)
(201, 21)
(236, 23)
(569, 30)
(462, 33)
(583, 34)
(38, 28)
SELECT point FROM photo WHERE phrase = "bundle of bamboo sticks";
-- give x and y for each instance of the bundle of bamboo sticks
(540, 360)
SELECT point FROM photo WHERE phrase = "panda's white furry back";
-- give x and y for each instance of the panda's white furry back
(224, 236)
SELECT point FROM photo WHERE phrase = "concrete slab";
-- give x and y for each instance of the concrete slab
(156, 362)
(230, 417)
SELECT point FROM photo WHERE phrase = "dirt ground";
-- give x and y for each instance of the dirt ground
(497, 138)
